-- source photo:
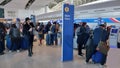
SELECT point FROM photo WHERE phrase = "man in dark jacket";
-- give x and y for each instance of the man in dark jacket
(2, 40)
(28, 35)
(100, 34)
(81, 37)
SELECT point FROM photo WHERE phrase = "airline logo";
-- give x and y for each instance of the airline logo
(115, 20)
(66, 9)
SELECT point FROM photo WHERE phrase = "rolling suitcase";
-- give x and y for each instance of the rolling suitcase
(23, 44)
(48, 39)
(9, 43)
(97, 57)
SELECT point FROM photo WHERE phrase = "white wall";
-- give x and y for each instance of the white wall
(42, 11)
(22, 14)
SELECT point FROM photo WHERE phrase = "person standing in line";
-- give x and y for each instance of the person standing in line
(48, 33)
(15, 38)
(81, 32)
(27, 33)
(100, 34)
(54, 31)
(40, 32)
(2, 40)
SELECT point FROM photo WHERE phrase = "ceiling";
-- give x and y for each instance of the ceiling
(37, 4)
(20, 4)
(101, 9)
(1, 1)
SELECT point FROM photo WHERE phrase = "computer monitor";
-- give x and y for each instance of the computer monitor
(114, 30)
(1, 13)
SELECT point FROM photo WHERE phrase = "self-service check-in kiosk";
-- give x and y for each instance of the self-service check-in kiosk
(113, 39)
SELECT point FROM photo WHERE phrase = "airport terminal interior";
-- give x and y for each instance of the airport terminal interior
(59, 34)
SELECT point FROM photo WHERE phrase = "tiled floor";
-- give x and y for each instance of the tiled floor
(49, 57)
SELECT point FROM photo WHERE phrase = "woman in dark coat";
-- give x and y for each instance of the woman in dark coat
(81, 38)
(28, 35)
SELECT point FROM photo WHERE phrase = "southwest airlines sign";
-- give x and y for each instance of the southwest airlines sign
(67, 34)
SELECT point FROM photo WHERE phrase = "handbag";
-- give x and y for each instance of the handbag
(103, 47)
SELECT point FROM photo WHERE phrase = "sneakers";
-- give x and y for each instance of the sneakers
(89, 62)
(18, 50)
(81, 55)
(105, 66)
(10, 51)
(86, 62)
(102, 66)
(2, 53)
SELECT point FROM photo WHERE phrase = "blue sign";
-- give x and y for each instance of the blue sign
(99, 20)
(95, 20)
(67, 34)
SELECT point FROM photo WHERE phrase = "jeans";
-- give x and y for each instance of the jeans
(54, 38)
(30, 47)
(28, 44)
(1, 46)
(48, 39)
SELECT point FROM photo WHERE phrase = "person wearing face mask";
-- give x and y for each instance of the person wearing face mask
(28, 35)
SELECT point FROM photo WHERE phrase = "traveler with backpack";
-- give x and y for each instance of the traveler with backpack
(15, 38)
(54, 33)
(99, 34)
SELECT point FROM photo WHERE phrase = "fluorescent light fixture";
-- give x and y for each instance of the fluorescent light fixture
(96, 2)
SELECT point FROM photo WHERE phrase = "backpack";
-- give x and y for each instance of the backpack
(15, 33)
(53, 29)
(40, 28)
(78, 31)
(97, 57)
